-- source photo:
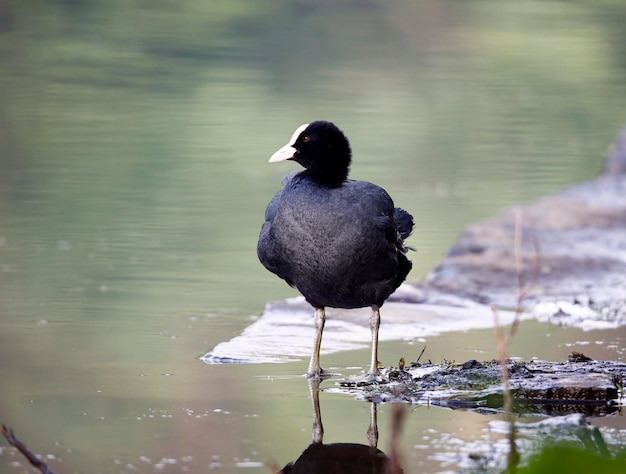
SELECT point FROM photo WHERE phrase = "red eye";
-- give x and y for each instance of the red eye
(306, 139)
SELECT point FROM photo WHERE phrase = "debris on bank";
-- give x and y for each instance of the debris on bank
(579, 385)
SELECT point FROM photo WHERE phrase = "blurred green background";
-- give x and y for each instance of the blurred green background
(134, 139)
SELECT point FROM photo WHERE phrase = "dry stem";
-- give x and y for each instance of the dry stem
(503, 341)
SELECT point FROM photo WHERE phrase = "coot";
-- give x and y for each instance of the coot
(338, 241)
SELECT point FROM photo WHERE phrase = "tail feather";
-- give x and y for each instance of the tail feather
(405, 223)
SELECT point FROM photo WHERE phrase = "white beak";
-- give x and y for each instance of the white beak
(287, 152)
(283, 154)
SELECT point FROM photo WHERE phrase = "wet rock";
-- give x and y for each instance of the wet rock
(572, 254)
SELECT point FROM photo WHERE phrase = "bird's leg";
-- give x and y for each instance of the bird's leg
(318, 428)
(372, 430)
(315, 371)
(372, 375)
(374, 325)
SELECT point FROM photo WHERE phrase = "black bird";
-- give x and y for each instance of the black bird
(338, 241)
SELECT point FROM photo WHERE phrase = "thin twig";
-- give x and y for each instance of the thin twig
(502, 343)
(28, 454)
(420, 356)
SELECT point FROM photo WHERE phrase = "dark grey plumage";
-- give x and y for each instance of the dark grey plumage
(338, 241)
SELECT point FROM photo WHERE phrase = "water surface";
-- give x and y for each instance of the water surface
(134, 142)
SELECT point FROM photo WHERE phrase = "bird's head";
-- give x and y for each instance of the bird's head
(322, 149)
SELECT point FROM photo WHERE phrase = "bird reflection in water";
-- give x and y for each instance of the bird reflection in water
(346, 458)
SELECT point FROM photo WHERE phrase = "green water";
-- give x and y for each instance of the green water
(134, 139)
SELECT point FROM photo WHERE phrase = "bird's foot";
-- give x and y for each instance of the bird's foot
(371, 378)
(368, 379)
